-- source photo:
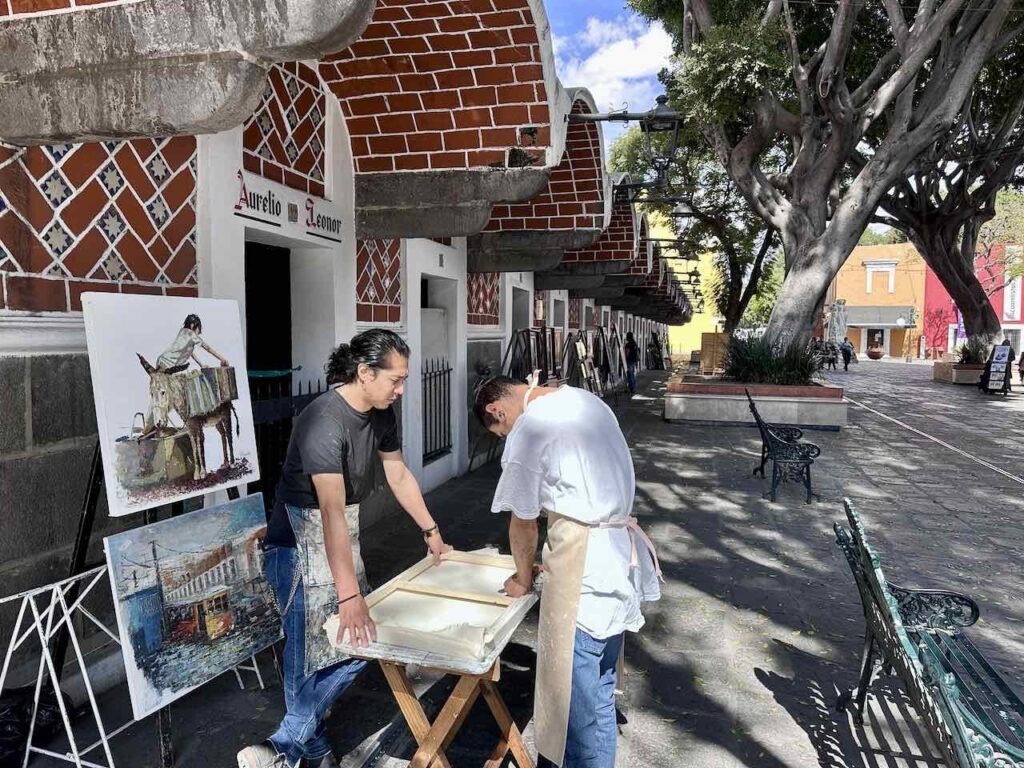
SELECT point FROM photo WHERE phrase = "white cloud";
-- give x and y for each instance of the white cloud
(617, 60)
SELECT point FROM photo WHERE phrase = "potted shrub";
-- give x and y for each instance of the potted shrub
(970, 363)
(755, 360)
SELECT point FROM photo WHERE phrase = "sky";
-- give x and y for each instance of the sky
(602, 45)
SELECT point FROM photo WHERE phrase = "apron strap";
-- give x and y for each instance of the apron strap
(633, 526)
(534, 381)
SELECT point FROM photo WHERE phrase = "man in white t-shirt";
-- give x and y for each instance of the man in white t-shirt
(565, 456)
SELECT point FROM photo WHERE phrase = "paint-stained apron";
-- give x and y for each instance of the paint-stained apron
(319, 590)
(564, 555)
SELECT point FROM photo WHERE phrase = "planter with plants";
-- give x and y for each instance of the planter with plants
(783, 379)
(970, 364)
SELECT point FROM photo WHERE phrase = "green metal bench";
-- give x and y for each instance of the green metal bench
(790, 456)
(977, 721)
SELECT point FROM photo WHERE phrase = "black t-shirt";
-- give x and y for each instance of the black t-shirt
(331, 437)
(632, 351)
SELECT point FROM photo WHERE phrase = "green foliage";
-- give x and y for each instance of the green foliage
(761, 306)
(888, 237)
(728, 71)
(755, 360)
(974, 351)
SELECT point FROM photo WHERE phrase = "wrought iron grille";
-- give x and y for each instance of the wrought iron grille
(274, 408)
(437, 409)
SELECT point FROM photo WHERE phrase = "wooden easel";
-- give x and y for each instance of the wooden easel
(434, 738)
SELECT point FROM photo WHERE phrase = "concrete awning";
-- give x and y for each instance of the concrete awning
(879, 317)
(155, 68)
(569, 214)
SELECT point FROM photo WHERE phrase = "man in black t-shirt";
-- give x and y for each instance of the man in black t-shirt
(338, 445)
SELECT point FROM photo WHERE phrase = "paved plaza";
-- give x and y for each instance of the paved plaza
(760, 624)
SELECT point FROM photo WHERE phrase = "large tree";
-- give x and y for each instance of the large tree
(947, 204)
(849, 94)
(708, 215)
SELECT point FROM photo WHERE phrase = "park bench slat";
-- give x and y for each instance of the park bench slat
(976, 719)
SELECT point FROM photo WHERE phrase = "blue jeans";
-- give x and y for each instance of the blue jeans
(306, 698)
(593, 731)
(631, 377)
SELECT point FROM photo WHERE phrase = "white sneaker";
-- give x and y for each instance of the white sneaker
(261, 756)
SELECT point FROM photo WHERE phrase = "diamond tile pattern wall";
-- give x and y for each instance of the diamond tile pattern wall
(15, 8)
(379, 281)
(483, 298)
(540, 301)
(575, 312)
(284, 139)
(112, 216)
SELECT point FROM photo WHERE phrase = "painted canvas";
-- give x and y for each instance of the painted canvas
(172, 397)
(191, 599)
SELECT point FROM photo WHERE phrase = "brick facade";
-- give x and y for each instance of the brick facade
(115, 216)
(483, 298)
(617, 243)
(574, 197)
(284, 138)
(444, 84)
(16, 8)
(379, 281)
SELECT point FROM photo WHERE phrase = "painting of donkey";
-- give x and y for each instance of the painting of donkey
(167, 393)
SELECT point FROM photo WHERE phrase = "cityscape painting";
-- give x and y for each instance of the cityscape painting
(191, 599)
(172, 397)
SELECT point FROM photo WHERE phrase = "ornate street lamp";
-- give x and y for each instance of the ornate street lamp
(660, 153)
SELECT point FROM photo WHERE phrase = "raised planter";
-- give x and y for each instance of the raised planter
(701, 400)
(957, 373)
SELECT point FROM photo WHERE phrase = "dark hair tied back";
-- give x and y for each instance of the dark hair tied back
(371, 347)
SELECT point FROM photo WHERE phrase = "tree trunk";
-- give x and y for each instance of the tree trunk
(941, 249)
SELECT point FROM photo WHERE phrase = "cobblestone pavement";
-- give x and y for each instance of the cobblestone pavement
(760, 624)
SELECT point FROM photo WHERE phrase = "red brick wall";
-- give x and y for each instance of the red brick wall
(483, 292)
(116, 216)
(379, 281)
(24, 7)
(574, 198)
(443, 84)
(617, 243)
(284, 138)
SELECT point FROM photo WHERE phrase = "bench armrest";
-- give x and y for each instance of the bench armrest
(783, 451)
(788, 434)
(935, 608)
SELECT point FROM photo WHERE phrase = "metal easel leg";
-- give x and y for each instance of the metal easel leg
(163, 725)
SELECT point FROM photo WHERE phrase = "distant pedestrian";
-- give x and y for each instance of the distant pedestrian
(846, 348)
(632, 352)
(1020, 367)
(831, 355)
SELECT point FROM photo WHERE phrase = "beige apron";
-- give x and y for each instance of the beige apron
(319, 590)
(564, 555)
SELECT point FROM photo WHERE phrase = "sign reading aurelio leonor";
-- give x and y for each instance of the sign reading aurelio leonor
(277, 206)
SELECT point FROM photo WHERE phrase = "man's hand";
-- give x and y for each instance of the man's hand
(355, 622)
(437, 547)
(514, 587)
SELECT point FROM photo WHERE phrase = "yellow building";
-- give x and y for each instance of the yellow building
(884, 290)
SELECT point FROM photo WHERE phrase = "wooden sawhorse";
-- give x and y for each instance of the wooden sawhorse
(434, 738)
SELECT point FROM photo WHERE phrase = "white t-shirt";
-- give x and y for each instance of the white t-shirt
(566, 454)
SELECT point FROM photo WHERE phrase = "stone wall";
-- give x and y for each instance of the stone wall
(47, 439)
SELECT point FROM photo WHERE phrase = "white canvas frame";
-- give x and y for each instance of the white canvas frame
(515, 611)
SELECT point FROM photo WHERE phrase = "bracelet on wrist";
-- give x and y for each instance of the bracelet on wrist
(350, 597)
(428, 532)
